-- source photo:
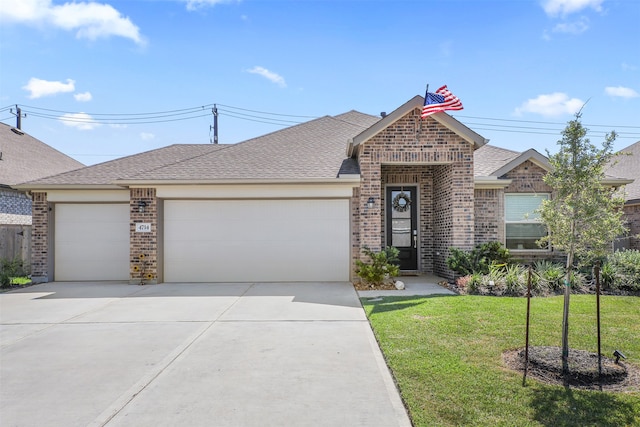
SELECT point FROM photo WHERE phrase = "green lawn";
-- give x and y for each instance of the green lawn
(445, 353)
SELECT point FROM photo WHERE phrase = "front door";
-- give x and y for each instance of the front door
(402, 224)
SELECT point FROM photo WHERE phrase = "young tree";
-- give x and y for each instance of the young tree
(583, 216)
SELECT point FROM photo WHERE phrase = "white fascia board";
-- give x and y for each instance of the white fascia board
(461, 130)
(49, 187)
(489, 182)
(616, 182)
(349, 176)
(256, 191)
(531, 155)
(88, 196)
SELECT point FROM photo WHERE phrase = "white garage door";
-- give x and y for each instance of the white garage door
(91, 242)
(256, 240)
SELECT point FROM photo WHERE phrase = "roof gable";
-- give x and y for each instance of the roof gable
(24, 158)
(415, 102)
(531, 155)
(626, 166)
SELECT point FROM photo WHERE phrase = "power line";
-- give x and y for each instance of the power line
(193, 109)
(544, 123)
(272, 114)
(166, 116)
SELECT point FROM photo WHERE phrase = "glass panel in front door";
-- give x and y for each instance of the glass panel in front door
(401, 227)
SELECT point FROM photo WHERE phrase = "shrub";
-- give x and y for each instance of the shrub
(382, 265)
(608, 275)
(479, 259)
(10, 269)
(515, 279)
(625, 266)
(475, 281)
(550, 274)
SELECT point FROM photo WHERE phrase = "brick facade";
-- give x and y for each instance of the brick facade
(527, 178)
(440, 163)
(632, 217)
(489, 215)
(40, 238)
(15, 207)
(144, 245)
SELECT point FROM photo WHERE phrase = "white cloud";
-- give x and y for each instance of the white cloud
(90, 20)
(575, 27)
(567, 7)
(197, 4)
(81, 121)
(621, 91)
(39, 88)
(118, 126)
(551, 105)
(628, 67)
(83, 97)
(146, 136)
(269, 75)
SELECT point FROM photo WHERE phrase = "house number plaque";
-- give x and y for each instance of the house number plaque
(143, 227)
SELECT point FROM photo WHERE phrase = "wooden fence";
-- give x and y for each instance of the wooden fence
(15, 242)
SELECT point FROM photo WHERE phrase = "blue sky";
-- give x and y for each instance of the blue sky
(100, 80)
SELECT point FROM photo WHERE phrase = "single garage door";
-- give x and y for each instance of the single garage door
(256, 240)
(91, 242)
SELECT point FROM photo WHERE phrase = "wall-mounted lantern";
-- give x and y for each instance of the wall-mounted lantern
(141, 205)
(371, 202)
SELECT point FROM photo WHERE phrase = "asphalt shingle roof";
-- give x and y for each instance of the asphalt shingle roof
(312, 150)
(488, 159)
(25, 158)
(127, 167)
(628, 166)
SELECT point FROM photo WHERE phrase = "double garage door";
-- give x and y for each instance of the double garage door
(211, 241)
(256, 240)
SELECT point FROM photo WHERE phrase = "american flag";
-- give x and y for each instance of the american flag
(441, 100)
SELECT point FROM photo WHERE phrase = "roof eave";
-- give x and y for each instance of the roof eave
(616, 182)
(351, 179)
(45, 187)
(490, 183)
(463, 131)
(531, 155)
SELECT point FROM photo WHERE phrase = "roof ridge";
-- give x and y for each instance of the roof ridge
(350, 122)
(281, 130)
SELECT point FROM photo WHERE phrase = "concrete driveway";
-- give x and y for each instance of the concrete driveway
(264, 354)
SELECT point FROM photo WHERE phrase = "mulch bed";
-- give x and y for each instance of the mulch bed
(545, 365)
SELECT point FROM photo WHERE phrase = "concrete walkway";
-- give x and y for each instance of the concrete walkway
(414, 286)
(96, 354)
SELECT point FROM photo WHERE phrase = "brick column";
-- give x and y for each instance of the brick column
(370, 220)
(40, 238)
(143, 266)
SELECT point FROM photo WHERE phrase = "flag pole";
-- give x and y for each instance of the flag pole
(426, 93)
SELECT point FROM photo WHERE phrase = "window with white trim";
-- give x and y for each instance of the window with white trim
(522, 224)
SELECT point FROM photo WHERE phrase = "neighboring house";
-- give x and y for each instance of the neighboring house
(299, 204)
(628, 165)
(22, 158)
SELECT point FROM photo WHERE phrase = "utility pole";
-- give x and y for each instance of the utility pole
(215, 123)
(19, 117)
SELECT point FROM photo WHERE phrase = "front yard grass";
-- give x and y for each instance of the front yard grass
(446, 355)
